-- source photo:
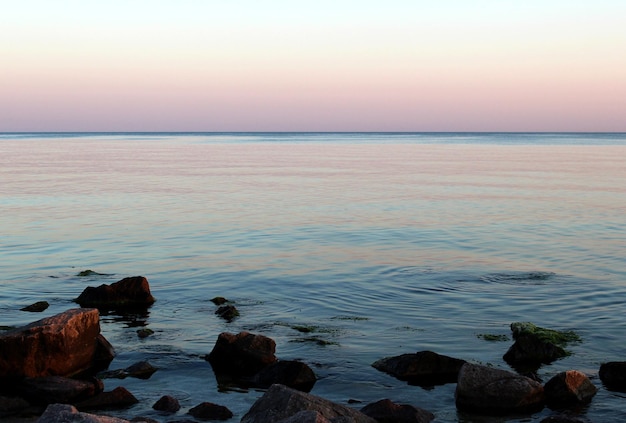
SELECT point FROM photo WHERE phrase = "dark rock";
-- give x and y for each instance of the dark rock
(386, 411)
(613, 375)
(243, 354)
(227, 312)
(293, 374)
(89, 272)
(141, 370)
(63, 413)
(57, 389)
(62, 345)
(562, 418)
(119, 397)
(210, 411)
(536, 345)
(308, 416)
(493, 391)
(424, 368)
(569, 388)
(219, 300)
(280, 402)
(167, 403)
(144, 333)
(141, 419)
(37, 307)
(12, 405)
(132, 292)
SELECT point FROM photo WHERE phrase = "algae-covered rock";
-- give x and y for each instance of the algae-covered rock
(37, 307)
(536, 345)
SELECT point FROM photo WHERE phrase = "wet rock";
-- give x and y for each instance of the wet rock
(227, 312)
(167, 403)
(89, 272)
(562, 418)
(132, 292)
(613, 375)
(493, 391)
(144, 333)
(424, 368)
(210, 411)
(139, 370)
(63, 413)
(219, 300)
(119, 397)
(386, 411)
(57, 389)
(243, 354)
(569, 388)
(37, 307)
(12, 405)
(62, 345)
(280, 402)
(294, 374)
(536, 345)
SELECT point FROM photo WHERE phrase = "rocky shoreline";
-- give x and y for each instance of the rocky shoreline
(64, 359)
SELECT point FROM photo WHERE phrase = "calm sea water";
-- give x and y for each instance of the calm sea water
(384, 243)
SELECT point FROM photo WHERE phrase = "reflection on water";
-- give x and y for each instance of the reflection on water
(383, 244)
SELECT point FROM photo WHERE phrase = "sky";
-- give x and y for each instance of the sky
(313, 65)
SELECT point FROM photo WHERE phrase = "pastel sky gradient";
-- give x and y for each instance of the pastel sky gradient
(313, 65)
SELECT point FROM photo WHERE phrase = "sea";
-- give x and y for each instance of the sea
(344, 248)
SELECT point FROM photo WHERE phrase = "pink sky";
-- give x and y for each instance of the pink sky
(325, 66)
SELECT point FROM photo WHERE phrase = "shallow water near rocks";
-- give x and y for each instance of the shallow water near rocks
(377, 244)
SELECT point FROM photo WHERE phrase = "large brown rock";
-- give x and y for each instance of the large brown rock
(132, 292)
(280, 403)
(569, 388)
(493, 391)
(58, 389)
(62, 345)
(293, 374)
(424, 368)
(243, 354)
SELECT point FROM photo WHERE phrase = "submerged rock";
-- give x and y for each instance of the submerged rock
(386, 411)
(132, 292)
(57, 389)
(119, 397)
(66, 344)
(167, 403)
(568, 389)
(613, 375)
(487, 390)
(294, 374)
(424, 368)
(37, 307)
(280, 403)
(227, 312)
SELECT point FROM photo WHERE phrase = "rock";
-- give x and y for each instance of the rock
(57, 389)
(219, 300)
(306, 416)
(424, 368)
(243, 354)
(141, 370)
(62, 345)
(386, 411)
(227, 312)
(613, 375)
(569, 388)
(562, 418)
(63, 413)
(280, 402)
(132, 292)
(12, 405)
(536, 345)
(144, 333)
(493, 391)
(119, 397)
(37, 307)
(210, 411)
(167, 403)
(293, 374)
